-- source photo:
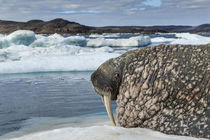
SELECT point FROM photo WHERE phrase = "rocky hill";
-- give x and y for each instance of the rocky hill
(66, 27)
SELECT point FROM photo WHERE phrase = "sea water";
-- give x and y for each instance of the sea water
(45, 87)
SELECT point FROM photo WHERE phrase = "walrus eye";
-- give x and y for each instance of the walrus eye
(116, 75)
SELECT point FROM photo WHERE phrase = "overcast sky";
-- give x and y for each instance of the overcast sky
(110, 12)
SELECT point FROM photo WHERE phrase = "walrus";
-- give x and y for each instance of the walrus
(165, 88)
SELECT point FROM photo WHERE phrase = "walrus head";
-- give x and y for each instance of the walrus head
(160, 88)
(106, 82)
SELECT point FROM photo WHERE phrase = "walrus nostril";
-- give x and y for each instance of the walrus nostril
(108, 89)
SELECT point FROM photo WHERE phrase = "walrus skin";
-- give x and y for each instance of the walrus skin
(164, 88)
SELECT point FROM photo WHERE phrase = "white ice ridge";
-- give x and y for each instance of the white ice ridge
(105, 35)
(101, 133)
(187, 38)
(22, 59)
(58, 40)
(130, 42)
(20, 37)
(29, 38)
(25, 51)
(183, 38)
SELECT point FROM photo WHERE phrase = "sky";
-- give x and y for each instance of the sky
(110, 12)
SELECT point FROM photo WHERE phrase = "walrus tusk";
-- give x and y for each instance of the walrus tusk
(102, 98)
(108, 105)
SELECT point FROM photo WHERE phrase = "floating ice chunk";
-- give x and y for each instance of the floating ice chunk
(130, 42)
(54, 58)
(105, 49)
(20, 37)
(23, 51)
(5, 56)
(187, 38)
(43, 41)
(28, 38)
(96, 35)
(58, 40)
(1, 35)
(75, 40)
(97, 42)
(162, 40)
(105, 35)
(182, 38)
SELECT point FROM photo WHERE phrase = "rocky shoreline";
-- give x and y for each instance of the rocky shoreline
(62, 26)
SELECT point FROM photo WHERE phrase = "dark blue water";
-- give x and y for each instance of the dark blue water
(63, 95)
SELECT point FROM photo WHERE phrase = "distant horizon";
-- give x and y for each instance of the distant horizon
(106, 25)
(110, 12)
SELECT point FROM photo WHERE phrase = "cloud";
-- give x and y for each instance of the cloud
(80, 12)
(187, 4)
(73, 6)
(191, 7)
(152, 3)
(138, 9)
(109, 12)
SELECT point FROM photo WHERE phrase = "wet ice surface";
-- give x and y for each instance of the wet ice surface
(105, 132)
